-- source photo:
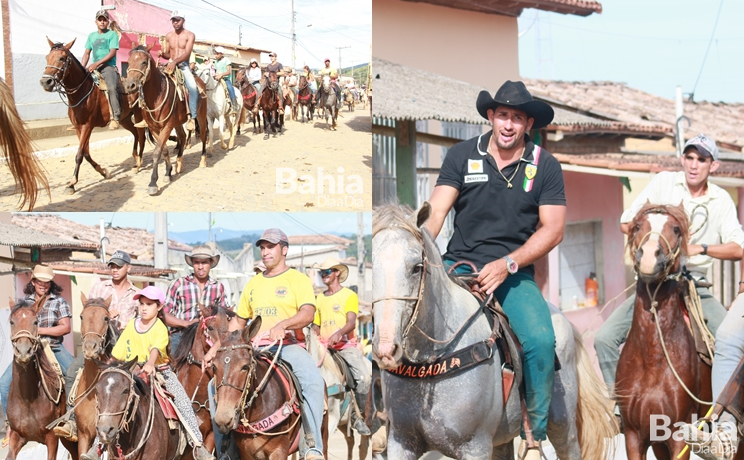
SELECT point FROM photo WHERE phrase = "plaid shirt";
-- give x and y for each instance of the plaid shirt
(123, 309)
(54, 309)
(182, 299)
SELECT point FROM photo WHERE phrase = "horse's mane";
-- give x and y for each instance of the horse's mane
(140, 48)
(112, 333)
(21, 303)
(675, 212)
(181, 354)
(393, 215)
(139, 384)
(15, 143)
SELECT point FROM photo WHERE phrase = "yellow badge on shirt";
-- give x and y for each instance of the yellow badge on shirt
(530, 171)
(475, 166)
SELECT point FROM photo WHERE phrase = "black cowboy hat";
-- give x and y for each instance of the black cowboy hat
(515, 94)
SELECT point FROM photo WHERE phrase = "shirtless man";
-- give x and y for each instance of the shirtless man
(179, 45)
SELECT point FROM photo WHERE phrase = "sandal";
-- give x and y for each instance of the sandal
(6, 442)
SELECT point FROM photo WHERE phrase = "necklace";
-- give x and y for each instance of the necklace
(508, 181)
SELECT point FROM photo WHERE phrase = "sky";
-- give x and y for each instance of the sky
(291, 223)
(321, 27)
(652, 45)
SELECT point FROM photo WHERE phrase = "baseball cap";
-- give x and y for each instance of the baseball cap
(178, 14)
(704, 145)
(274, 236)
(120, 258)
(219, 49)
(272, 54)
(327, 60)
(103, 13)
(152, 293)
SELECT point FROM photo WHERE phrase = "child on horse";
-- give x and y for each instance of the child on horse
(146, 338)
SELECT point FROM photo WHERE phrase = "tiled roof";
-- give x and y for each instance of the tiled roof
(139, 243)
(15, 235)
(515, 7)
(644, 163)
(405, 93)
(723, 122)
(97, 267)
(324, 239)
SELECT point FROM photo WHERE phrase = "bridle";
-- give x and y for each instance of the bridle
(103, 339)
(243, 402)
(672, 254)
(59, 85)
(141, 83)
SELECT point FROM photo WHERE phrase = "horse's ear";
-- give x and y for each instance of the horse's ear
(69, 45)
(11, 302)
(107, 302)
(131, 365)
(252, 329)
(51, 43)
(423, 214)
(149, 47)
(83, 298)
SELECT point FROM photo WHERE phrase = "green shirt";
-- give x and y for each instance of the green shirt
(101, 44)
(221, 65)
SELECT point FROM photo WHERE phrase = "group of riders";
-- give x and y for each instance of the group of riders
(506, 166)
(151, 323)
(103, 44)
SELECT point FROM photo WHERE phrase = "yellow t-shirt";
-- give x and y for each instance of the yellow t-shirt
(132, 343)
(275, 298)
(331, 311)
(331, 71)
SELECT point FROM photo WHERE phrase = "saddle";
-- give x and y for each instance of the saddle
(52, 378)
(704, 340)
(101, 83)
(183, 93)
(344, 368)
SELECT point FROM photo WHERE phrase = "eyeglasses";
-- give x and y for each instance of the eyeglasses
(327, 272)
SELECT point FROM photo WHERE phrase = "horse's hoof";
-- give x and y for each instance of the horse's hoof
(203, 163)
(166, 179)
(266, 136)
(152, 191)
(69, 190)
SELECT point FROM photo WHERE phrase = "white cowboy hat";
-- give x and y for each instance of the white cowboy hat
(42, 273)
(333, 263)
(202, 252)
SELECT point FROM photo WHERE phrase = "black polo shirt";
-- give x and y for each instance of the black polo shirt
(491, 220)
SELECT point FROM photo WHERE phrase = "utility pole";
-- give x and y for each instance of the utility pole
(679, 112)
(339, 48)
(240, 34)
(360, 256)
(161, 240)
(209, 238)
(294, 37)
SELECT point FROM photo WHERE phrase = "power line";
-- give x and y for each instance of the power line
(243, 19)
(702, 65)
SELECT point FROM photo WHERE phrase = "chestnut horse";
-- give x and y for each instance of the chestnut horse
(270, 106)
(37, 395)
(249, 94)
(163, 110)
(659, 343)
(15, 143)
(129, 421)
(305, 99)
(197, 339)
(99, 336)
(250, 389)
(87, 107)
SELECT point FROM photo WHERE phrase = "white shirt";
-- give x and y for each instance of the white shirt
(254, 73)
(722, 225)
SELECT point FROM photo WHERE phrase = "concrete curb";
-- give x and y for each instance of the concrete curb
(72, 150)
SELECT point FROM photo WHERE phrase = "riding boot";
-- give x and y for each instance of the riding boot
(190, 125)
(92, 453)
(141, 124)
(201, 453)
(67, 429)
(359, 426)
(720, 445)
(113, 124)
(532, 453)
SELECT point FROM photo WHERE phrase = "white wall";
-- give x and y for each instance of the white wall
(31, 21)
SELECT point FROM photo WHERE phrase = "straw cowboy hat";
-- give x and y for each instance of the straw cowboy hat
(515, 94)
(42, 273)
(333, 263)
(202, 252)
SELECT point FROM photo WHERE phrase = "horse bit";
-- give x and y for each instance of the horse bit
(60, 87)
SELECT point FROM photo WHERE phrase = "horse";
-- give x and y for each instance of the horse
(340, 402)
(249, 94)
(129, 420)
(349, 99)
(290, 100)
(87, 107)
(463, 414)
(37, 394)
(249, 395)
(197, 339)
(15, 143)
(270, 106)
(659, 344)
(163, 110)
(218, 108)
(327, 101)
(305, 100)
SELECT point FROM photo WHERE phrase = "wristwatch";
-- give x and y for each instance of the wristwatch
(705, 249)
(511, 265)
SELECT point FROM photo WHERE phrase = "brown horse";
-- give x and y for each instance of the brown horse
(37, 395)
(659, 342)
(197, 339)
(99, 336)
(305, 100)
(250, 389)
(129, 421)
(18, 152)
(88, 107)
(163, 110)
(249, 95)
(270, 106)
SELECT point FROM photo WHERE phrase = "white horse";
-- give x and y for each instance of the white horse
(218, 108)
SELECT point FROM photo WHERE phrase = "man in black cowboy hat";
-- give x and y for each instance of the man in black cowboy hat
(502, 187)
(185, 294)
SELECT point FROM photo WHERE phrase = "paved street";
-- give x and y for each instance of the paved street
(243, 179)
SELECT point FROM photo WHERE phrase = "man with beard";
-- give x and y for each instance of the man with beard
(503, 187)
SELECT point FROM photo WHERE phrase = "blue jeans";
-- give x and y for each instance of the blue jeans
(230, 88)
(615, 329)
(729, 346)
(175, 339)
(313, 387)
(188, 79)
(63, 357)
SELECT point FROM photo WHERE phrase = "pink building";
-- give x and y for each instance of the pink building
(140, 24)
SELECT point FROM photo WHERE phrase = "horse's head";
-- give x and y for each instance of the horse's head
(24, 328)
(399, 254)
(117, 396)
(141, 64)
(273, 81)
(57, 63)
(214, 324)
(234, 368)
(94, 326)
(657, 241)
(326, 84)
(303, 82)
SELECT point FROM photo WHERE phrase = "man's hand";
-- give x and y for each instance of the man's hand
(92, 67)
(148, 369)
(492, 275)
(694, 249)
(277, 333)
(207, 360)
(334, 338)
(170, 67)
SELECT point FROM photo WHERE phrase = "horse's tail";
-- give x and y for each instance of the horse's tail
(595, 420)
(15, 143)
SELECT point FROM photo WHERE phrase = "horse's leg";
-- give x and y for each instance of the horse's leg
(661, 451)
(223, 144)
(210, 134)
(266, 119)
(232, 123)
(139, 140)
(349, 445)
(635, 447)
(400, 449)
(83, 133)
(363, 447)
(16, 444)
(160, 149)
(503, 452)
(52, 443)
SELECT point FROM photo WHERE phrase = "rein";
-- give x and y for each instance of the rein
(59, 85)
(104, 336)
(143, 80)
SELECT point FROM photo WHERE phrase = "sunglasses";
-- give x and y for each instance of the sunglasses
(327, 272)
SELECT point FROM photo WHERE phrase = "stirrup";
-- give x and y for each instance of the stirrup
(532, 453)
(141, 124)
(709, 446)
(314, 453)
